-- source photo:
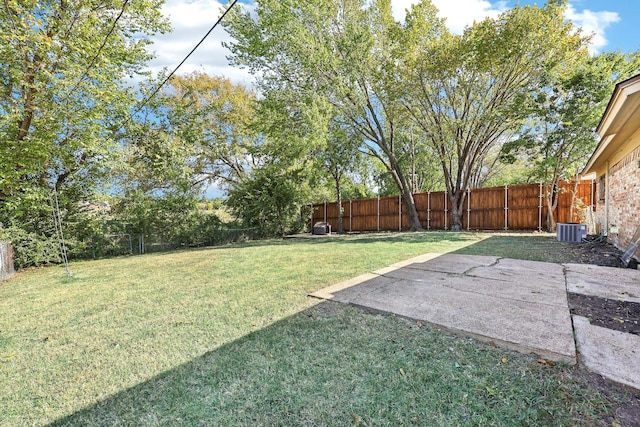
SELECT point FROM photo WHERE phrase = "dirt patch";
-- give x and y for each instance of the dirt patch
(596, 250)
(623, 316)
(623, 401)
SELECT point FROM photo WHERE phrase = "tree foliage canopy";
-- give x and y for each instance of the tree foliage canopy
(63, 67)
(345, 95)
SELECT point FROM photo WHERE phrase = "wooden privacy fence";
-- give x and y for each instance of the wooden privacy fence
(513, 207)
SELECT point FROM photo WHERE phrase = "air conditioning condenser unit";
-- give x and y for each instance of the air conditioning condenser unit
(571, 232)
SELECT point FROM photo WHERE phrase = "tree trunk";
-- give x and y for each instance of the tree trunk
(552, 203)
(410, 204)
(457, 199)
(340, 210)
(407, 197)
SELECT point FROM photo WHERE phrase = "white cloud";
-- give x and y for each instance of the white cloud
(462, 13)
(458, 14)
(190, 21)
(594, 23)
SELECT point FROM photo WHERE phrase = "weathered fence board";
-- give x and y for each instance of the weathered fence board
(514, 207)
(6, 260)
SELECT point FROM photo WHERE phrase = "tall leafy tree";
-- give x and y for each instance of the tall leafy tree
(63, 97)
(470, 92)
(561, 134)
(212, 117)
(268, 200)
(339, 156)
(347, 52)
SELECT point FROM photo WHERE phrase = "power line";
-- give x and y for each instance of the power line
(104, 43)
(143, 103)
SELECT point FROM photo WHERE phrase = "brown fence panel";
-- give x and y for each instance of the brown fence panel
(563, 209)
(365, 215)
(484, 209)
(584, 197)
(422, 205)
(439, 215)
(390, 213)
(524, 207)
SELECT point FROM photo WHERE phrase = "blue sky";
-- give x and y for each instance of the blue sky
(622, 32)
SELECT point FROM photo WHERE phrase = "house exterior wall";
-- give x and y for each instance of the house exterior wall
(618, 205)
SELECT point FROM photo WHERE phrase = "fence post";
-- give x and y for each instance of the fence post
(468, 209)
(350, 216)
(325, 211)
(399, 213)
(446, 211)
(540, 209)
(428, 210)
(378, 213)
(506, 207)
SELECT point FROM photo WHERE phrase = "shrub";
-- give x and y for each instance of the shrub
(31, 249)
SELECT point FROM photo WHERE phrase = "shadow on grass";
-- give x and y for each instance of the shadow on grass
(336, 365)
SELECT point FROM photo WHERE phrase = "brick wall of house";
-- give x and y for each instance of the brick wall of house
(624, 198)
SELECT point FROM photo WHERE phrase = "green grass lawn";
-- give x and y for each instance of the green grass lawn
(228, 336)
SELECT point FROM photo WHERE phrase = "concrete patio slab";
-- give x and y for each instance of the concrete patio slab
(474, 296)
(454, 264)
(605, 282)
(613, 354)
(537, 274)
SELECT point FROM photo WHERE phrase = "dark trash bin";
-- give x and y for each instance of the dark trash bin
(321, 228)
